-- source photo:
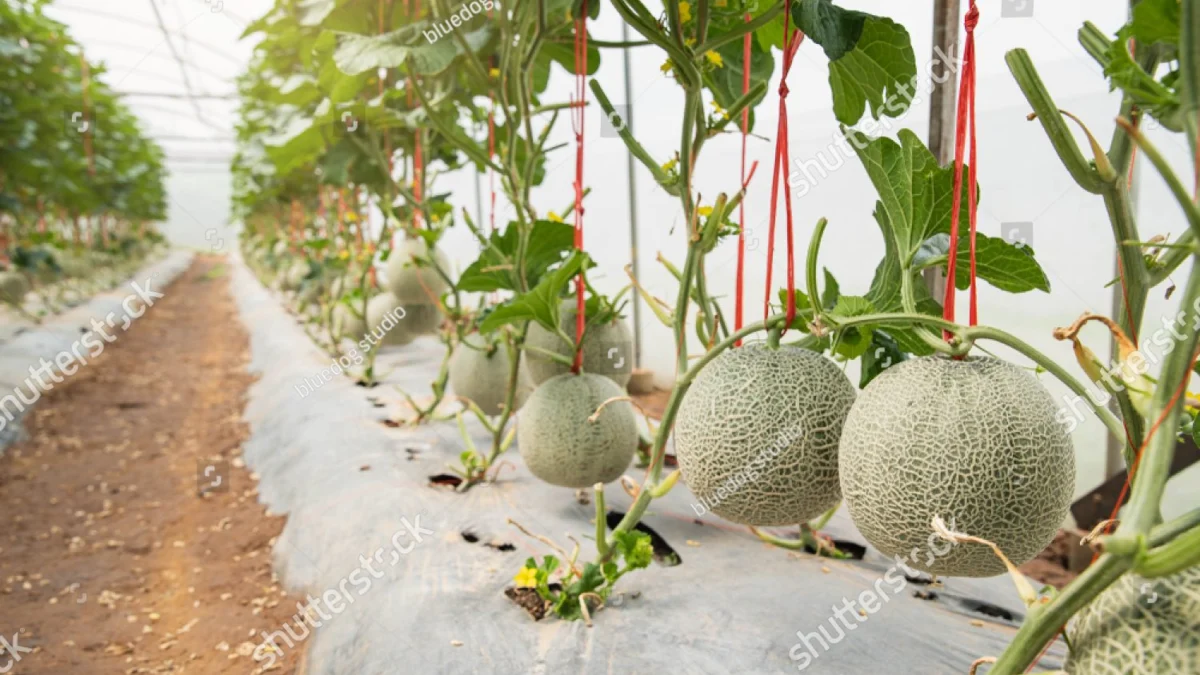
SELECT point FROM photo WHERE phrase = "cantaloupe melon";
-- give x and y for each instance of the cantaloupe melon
(385, 330)
(296, 273)
(561, 446)
(412, 283)
(974, 441)
(1139, 626)
(13, 287)
(480, 376)
(422, 319)
(757, 434)
(345, 324)
(607, 348)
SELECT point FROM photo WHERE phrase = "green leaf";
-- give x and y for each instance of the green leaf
(549, 242)
(313, 12)
(852, 342)
(883, 353)
(837, 30)
(591, 578)
(635, 548)
(539, 304)
(916, 193)
(829, 294)
(1156, 21)
(1009, 267)
(1160, 100)
(880, 71)
(362, 53)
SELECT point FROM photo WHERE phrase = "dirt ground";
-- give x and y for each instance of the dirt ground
(111, 559)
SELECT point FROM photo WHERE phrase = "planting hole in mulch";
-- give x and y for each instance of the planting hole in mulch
(664, 553)
(445, 480)
(502, 546)
(855, 551)
(987, 609)
(469, 537)
(529, 600)
(925, 595)
(389, 423)
(920, 580)
(412, 453)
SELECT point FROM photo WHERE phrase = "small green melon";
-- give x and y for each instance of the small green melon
(296, 273)
(13, 287)
(412, 283)
(561, 446)
(422, 319)
(385, 321)
(1139, 626)
(345, 324)
(479, 375)
(974, 441)
(607, 348)
(757, 434)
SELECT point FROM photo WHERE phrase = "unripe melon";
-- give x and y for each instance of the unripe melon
(422, 319)
(345, 324)
(757, 434)
(480, 376)
(296, 273)
(413, 283)
(607, 348)
(13, 287)
(974, 441)
(561, 446)
(1139, 626)
(379, 309)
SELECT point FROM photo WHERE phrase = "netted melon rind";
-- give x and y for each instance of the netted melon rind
(1139, 626)
(560, 445)
(973, 441)
(757, 434)
(607, 348)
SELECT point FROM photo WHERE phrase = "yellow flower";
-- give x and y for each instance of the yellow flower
(704, 211)
(685, 11)
(526, 578)
(670, 164)
(666, 66)
(554, 217)
(714, 58)
(343, 255)
(494, 72)
(690, 42)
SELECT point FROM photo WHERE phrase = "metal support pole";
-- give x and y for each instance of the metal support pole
(942, 103)
(633, 222)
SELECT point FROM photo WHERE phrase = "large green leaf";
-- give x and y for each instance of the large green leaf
(915, 192)
(541, 303)
(407, 46)
(1156, 21)
(549, 242)
(1009, 267)
(879, 71)
(837, 30)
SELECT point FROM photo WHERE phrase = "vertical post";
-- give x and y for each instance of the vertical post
(633, 233)
(942, 103)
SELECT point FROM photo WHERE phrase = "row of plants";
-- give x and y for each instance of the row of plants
(349, 109)
(81, 183)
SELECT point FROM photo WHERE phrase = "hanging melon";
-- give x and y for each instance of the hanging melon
(974, 441)
(607, 348)
(13, 287)
(386, 322)
(562, 446)
(480, 374)
(757, 434)
(1139, 626)
(414, 283)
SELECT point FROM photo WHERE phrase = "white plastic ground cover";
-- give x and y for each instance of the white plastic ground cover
(24, 346)
(355, 491)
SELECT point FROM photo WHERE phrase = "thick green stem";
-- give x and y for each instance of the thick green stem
(1175, 556)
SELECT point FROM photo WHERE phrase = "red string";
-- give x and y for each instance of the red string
(965, 126)
(741, 254)
(577, 119)
(791, 42)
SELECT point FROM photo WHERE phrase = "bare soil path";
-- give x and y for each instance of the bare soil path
(111, 560)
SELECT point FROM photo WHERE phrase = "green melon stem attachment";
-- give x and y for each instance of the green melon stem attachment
(773, 336)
